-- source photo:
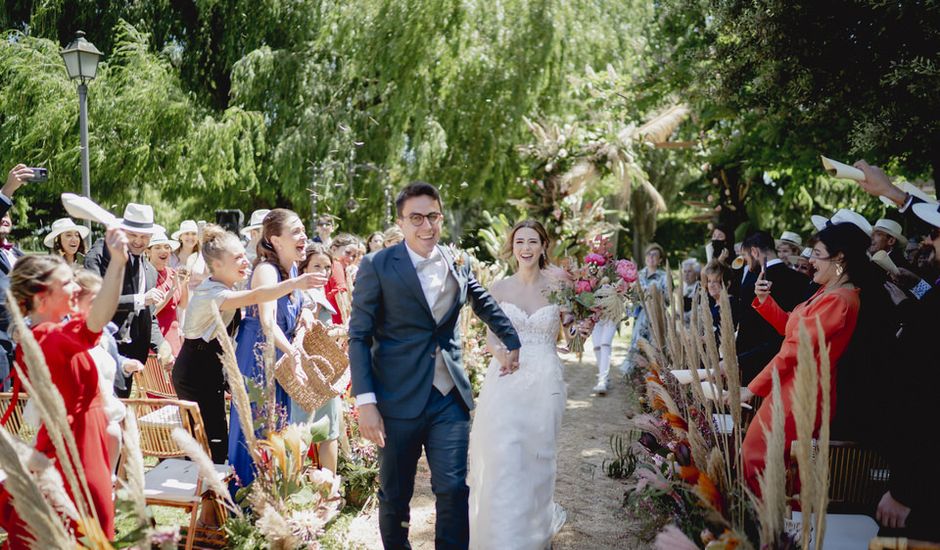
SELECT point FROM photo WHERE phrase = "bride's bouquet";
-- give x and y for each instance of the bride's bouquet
(598, 289)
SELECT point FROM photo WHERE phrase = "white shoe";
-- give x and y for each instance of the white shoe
(600, 388)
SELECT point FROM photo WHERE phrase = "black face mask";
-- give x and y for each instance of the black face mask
(718, 246)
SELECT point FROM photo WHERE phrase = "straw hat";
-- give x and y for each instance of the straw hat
(138, 218)
(160, 238)
(187, 226)
(790, 237)
(62, 225)
(844, 215)
(257, 218)
(892, 228)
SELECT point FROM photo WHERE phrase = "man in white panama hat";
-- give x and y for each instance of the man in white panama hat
(252, 232)
(789, 244)
(887, 235)
(138, 332)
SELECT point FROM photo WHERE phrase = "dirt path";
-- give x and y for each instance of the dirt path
(596, 518)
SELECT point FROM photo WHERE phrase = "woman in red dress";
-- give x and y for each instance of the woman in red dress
(338, 290)
(174, 282)
(45, 290)
(841, 267)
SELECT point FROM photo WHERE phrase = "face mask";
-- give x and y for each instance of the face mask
(718, 246)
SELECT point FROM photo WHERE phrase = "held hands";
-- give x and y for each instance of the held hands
(509, 362)
(371, 425)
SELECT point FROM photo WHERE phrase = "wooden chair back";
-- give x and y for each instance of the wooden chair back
(16, 425)
(858, 477)
(156, 419)
(891, 543)
(154, 381)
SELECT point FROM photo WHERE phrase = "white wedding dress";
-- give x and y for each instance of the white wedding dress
(513, 442)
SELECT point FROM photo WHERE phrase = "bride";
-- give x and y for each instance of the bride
(518, 415)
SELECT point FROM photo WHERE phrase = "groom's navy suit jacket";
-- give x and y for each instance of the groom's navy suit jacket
(393, 334)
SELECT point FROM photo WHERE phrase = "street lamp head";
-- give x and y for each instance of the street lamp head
(81, 58)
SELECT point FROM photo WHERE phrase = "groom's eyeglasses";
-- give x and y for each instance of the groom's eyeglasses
(417, 220)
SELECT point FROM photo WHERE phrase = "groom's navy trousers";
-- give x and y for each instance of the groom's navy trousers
(394, 340)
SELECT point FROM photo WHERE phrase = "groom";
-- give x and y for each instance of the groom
(404, 352)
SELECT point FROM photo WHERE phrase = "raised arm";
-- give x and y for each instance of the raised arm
(267, 293)
(105, 304)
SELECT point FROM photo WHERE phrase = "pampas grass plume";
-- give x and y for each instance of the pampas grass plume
(772, 480)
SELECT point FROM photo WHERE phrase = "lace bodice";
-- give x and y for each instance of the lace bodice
(540, 328)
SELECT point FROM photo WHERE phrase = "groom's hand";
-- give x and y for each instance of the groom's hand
(510, 362)
(371, 425)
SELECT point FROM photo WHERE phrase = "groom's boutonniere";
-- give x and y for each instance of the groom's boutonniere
(459, 256)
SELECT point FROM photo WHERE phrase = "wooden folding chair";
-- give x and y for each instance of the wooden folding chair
(174, 481)
(891, 543)
(858, 477)
(17, 425)
(154, 382)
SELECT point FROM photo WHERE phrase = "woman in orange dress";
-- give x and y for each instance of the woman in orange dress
(46, 291)
(841, 267)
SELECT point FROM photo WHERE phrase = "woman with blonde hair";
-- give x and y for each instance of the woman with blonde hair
(650, 277)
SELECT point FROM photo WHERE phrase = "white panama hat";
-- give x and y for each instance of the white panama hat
(160, 238)
(844, 215)
(186, 226)
(138, 218)
(62, 225)
(791, 238)
(257, 218)
(892, 228)
(929, 212)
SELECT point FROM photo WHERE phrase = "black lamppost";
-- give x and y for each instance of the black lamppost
(81, 63)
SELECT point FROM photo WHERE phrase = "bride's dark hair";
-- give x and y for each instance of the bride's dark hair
(506, 252)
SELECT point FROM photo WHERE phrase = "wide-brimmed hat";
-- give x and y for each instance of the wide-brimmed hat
(929, 212)
(62, 225)
(892, 228)
(844, 215)
(160, 238)
(139, 219)
(807, 253)
(790, 237)
(257, 218)
(913, 190)
(186, 226)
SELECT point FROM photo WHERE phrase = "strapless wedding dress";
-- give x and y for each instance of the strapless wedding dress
(513, 442)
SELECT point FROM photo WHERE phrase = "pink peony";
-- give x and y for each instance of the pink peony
(582, 286)
(596, 259)
(627, 271)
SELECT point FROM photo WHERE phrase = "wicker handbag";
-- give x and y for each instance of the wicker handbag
(326, 365)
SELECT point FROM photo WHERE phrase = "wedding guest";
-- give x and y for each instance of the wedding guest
(887, 235)
(840, 258)
(138, 333)
(107, 361)
(789, 244)
(343, 249)
(174, 284)
(319, 262)
(325, 226)
(718, 276)
(801, 263)
(376, 241)
(67, 239)
(18, 176)
(651, 276)
(252, 232)
(197, 373)
(757, 341)
(393, 236)
(9, 251)
(45, 289)
(282, 246)
(722, 244)
(187, 237)
(691, 274)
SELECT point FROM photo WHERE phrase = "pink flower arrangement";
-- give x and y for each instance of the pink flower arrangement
(627, 271)
(582, 286)
(594, 258)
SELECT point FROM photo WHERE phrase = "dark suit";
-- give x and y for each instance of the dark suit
(757, 341)
(393, 336)
(138, 332)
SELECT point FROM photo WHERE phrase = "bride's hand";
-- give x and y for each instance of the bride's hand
(509, 362)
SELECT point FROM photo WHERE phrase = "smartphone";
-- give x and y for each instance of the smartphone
(40, 175)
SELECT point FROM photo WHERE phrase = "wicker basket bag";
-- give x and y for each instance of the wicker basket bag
(326, 365)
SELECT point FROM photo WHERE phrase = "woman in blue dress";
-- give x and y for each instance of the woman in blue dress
(282, 245)
(649, 277)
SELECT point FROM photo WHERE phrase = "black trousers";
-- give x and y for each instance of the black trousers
(197, 376)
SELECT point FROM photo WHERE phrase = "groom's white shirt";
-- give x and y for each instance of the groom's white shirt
(432, 274)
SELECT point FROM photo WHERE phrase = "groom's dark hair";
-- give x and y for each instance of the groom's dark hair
(416, 189)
